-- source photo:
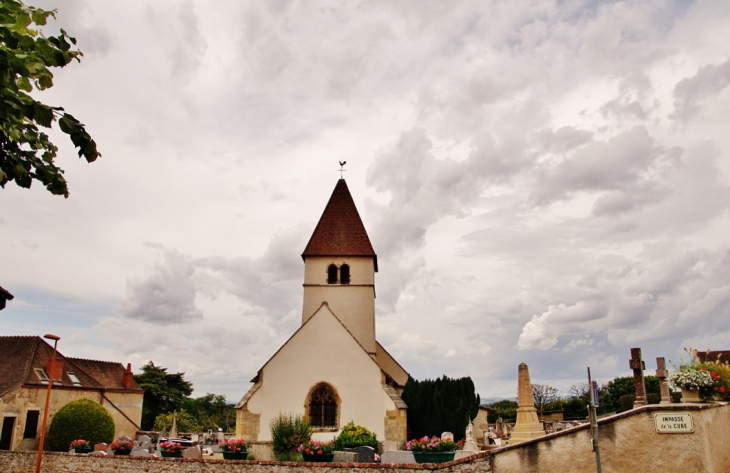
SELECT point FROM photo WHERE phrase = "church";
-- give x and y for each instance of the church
(332, 370)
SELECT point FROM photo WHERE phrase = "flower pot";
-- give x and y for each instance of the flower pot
(235, 455)
(170, 455)
(325, 457)
(690, 395)
(433, 457)
(82, 450)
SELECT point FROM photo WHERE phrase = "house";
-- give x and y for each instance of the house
(332, 370)
(24, 378)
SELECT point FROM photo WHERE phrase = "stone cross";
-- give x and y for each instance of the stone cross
(637, 364)
(661, 374)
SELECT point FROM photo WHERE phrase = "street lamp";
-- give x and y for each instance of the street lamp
(51, 369)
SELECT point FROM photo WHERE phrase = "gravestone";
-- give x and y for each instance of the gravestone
(98, 453)
(101, 447)
(661, 374)
(469, 443)
(193, 452)
(139, 452)
(397, 456)
(637, 365)
(447, 436)
(126, 439)
(345, 457)
(144, 440)
(363, 454)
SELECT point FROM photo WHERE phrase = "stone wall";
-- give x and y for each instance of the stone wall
(629, 442)
(23, 462)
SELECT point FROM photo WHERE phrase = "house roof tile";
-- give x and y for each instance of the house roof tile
(22, 354)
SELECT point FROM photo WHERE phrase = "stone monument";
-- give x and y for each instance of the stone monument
(638, 367)
(661, 374)
(528, 426)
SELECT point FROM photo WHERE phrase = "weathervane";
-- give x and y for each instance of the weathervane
(342, 168)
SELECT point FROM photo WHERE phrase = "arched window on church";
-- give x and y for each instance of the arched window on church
(323, 407)
(332, 274)
(345, 274)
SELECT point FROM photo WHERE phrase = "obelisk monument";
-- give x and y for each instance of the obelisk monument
(528, 426)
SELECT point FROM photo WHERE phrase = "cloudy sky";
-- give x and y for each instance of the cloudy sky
(544, 182)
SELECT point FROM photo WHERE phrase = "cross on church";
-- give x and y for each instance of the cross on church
(637, 364)
(342, 168)
(661, 374)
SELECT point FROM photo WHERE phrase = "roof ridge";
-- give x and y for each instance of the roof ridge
(96, 361)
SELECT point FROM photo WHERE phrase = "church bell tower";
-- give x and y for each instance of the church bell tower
(339, 268)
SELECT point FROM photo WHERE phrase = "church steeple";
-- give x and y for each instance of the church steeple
(340, 266)
(340, 231)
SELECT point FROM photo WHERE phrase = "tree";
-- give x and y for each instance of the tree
(544, 395)
(444, 404)
(506, 409)
(26, 153)
(212, 412)
(163, 392)
(184, 422)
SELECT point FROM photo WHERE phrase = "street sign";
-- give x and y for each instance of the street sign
(674, 423)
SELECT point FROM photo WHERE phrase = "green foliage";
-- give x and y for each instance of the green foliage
(163, 392)
(574, 408)
(287, 433)
(355, 436)
(184, 422)
(80, 419)
(626, 402)
(444, 404)
(506, 409)
(212, 412)
(653, 398)
(623, 386)
(26, 153)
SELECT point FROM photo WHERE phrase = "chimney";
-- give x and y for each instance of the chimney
(57, 371)
(127, 379)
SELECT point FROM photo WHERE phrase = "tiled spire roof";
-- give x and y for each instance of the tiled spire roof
(340, 231)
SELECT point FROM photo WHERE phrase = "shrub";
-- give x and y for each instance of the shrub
(355, 436)
(287, 433)
(80, 419)
(626, 403)
(653, 398)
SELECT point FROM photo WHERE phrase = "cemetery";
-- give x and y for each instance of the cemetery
(362, 411)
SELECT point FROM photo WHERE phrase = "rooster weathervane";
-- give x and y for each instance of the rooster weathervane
(342, 168)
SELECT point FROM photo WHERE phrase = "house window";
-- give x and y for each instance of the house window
(41, 375)
(332, 274)
(345, 274)
(323, 407)
(31, 424)
(74, 379)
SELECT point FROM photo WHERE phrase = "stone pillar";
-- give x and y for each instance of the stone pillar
(637, 365)
(661, 374)
(528, 426)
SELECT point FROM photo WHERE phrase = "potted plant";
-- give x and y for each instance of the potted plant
(80, 446)
(316, 451)
(700, 381)
(121, 447)
(234, 449)
(432, 450)
(171, 449)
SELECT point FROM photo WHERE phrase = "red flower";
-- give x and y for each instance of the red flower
(722, 389)
(714, 375)
(319, 452)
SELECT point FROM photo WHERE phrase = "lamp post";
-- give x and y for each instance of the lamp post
(51, 368)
